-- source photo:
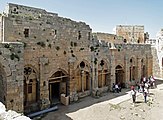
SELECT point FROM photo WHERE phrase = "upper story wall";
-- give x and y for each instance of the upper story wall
(132, 34)
(108, 37)
(36, 26)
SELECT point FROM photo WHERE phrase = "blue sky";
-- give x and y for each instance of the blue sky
(104, 15)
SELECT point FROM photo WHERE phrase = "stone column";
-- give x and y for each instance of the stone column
(71, 84)
(127, 71)
(112, 67)
(44, 88)
(149, 64)
(139, 70)
(82, 80)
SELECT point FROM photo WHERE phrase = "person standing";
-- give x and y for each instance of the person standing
(145, 93)
(117, 88)
(133, 93)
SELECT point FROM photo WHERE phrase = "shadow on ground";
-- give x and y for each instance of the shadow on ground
(60, 114)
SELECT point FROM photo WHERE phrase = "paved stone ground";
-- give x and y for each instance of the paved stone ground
(113, 106)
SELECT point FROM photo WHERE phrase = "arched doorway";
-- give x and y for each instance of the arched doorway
(57, 86)
(119, 74)
(103, 74)
(31, 90)
(2, 85)
(82, 77)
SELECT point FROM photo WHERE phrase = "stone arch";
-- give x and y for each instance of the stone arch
(58, 69)
(103, 74)
(31, 89)
(119, 75)
(87, 64)
(34, 68)
(82, 76)
(58, 82)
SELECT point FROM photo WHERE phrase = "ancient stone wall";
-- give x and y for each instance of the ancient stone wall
(109, 37)
(12, 61)
(132, 34)
(51, 42)
(56, 48)
(126, 52)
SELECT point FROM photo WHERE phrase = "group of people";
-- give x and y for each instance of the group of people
(116, 88)
(133, 93)
(143, 87)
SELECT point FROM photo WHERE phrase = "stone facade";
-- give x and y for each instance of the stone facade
(111, 38)
(12, 75)
(61, 56)
(131, 33)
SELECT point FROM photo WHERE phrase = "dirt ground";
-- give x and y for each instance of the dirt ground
(99, 109)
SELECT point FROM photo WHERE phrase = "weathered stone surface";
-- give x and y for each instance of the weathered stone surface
(59, 54)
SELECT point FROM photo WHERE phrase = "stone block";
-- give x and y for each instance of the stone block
(64, 99)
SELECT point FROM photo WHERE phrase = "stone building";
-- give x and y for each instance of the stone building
(43, 56)
(131, 33)
(111, 38)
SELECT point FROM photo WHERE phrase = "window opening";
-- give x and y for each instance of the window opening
(26, 32)
(30, 88)
(55, 32)
(79, 35)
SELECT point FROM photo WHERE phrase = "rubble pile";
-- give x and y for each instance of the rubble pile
(10, 114)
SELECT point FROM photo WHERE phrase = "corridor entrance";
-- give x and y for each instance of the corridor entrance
(54, 92)
(119, 74)
(57, 86)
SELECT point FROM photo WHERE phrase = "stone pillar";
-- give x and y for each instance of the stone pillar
(139, 70)
(127, 71)
(112, 68)
(82, 80)
(71, 84)
(94, 73)
(149, 64)
(44, 88)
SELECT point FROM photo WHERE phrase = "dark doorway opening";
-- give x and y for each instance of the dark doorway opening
(54, 92)
(119, 74)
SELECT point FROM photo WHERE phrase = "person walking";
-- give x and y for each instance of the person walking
(133, 93)
(145, 93)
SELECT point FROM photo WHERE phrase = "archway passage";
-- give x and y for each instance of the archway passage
(119, 74)
(54, 92)
(82, 77)
(103, 74)
(57, 86)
